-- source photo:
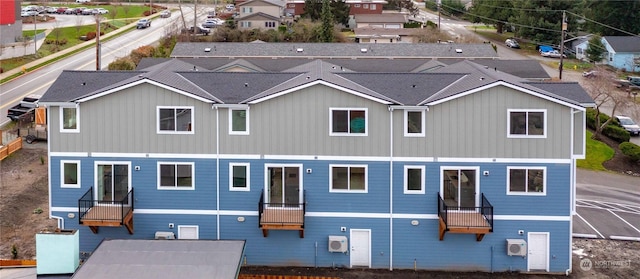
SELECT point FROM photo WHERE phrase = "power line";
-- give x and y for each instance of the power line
(605, 25)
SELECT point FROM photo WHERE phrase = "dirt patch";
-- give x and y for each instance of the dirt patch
(24, 201)
(23, 193)
(620, 163)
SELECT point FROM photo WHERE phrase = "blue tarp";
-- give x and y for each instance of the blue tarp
(545, 48)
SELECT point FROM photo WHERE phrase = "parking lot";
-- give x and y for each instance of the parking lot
(598, 219)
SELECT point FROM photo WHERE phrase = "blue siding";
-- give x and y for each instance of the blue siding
(419, 244)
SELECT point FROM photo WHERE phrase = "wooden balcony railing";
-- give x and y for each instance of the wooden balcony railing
(281, 216)
(95, 213)
(476, 220)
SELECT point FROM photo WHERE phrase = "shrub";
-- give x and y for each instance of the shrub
(91, 35)
(412, 25)
(141, 52)
(631, 150)
(616, 133)
(123, 64)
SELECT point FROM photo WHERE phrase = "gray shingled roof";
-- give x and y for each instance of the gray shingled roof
(624, 43)
(410, 82)
(333, 50)
(157, 259)
(380, 18)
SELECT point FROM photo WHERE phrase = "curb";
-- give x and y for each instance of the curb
(17, 263)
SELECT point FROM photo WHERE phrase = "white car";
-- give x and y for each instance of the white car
(553, 54)
(83, 1)
(101, 11)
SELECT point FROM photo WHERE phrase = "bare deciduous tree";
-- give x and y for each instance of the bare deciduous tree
(604, 90)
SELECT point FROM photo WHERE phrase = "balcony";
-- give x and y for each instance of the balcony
(471, 220)
(100, 213)
(281, 216)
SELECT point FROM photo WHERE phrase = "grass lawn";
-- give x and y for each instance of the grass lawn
(597, 153)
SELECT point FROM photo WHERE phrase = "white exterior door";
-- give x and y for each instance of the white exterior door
(538, 251)
(188, 232)
(360, 247)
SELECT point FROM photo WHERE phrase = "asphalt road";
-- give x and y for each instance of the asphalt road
(38, 82)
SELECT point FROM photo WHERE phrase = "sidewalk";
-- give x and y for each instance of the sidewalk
(66, 51)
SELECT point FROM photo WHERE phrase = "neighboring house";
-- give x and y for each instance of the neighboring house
(318, 164)
(385, 20)
(262, 14)
(296, 7)
(623, 52)
(384, 35)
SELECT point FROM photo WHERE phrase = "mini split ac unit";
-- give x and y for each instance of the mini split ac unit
(516, 247)
(338, 243)
(165, 235)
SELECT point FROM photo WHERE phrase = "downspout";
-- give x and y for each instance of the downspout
(390, 188)
(217, 172)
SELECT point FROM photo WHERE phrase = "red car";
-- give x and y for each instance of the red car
(61, 10)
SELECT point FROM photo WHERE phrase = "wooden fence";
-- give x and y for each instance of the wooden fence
(11, 147)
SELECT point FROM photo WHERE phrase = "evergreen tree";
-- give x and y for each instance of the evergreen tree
(541, 20)
(622, 15)
(326, 29)
(339, 9)
(402, 4)
(492, 12)
(595, 50)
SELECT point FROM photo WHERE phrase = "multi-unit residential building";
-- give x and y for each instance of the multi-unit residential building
(260, 14)
(296, 7)
(313, 163)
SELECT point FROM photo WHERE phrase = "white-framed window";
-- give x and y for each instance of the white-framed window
(414, 179)
(69, 120)
(238, 121)
(247, 10)
(239, 177)
(372, 7)
(245, 24)
(526, 181)
(414, 123)
(175, 120)
(527, 123)
(188, 232)
(348, 178)
(176, 176)
(348, 121)
(70, 174)
(365, 6)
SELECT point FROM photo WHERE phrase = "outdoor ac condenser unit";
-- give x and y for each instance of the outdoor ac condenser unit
(338, 243)
(165, 235)
(516, 247)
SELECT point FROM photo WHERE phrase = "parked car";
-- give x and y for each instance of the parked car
(28, 13)
(212, 23)
(87, 11)
(78, 11)
(143, 23)
(51, 10)
(61, 10)
(165, 14)
(27, 105)
(512, 43)
(101, 11)
(634, 80)
(628, 124)
(70, 11)
(230, 7)
(590, 74)
(199, 30)
(553, 54)
(83, 1)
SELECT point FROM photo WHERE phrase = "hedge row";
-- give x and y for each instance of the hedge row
(631, 150)
(613, 130)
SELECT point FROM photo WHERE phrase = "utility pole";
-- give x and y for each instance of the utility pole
(195, 17)
(439, 3)
(98, 43)
(35, 38)
(564, 31)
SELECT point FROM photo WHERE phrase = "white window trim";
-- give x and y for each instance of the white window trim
(366, 179)
(189, 226)
(231, 188)
(231, 131)
(544, 130)
(176, 188)
(406, 180)
(406, 124)
(349, 134)
(158, 108)
(62, 184)
(77, 129)
(526, 187)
